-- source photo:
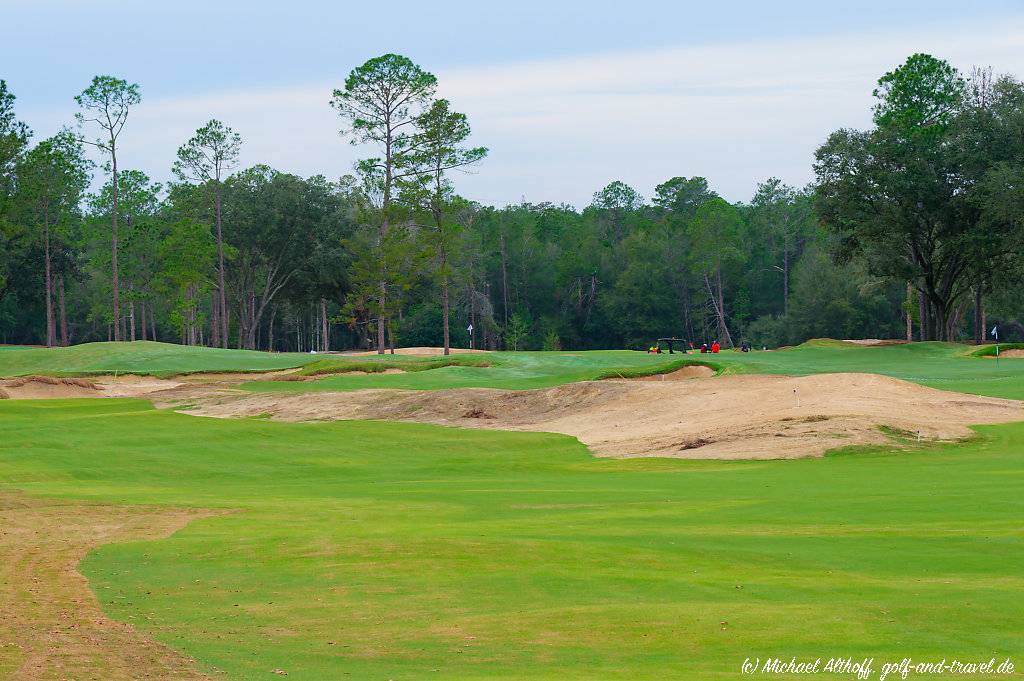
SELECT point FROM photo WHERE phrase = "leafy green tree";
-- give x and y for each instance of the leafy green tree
(52, 178)
(615, 206)
(187, 255)
(105, 104)
(785, 216)
(715, 242)
(380, 104)
(894, 196)
(440, 141)
(14, 137)
(139, 205)
(683, 196)
(206, 159)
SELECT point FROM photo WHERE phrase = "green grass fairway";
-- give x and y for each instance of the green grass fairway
(370, 550)
(510, 370)
(940, 365)
(141, 357)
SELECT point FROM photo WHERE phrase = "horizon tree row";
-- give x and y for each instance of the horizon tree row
(912, 229)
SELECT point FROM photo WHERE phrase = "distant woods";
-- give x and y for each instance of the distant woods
(914, 227)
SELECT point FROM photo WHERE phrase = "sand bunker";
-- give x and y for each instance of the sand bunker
(729, 417)
(47, 388)
(417, 351)
(131, 385)
(1010, 354)
(872, 342)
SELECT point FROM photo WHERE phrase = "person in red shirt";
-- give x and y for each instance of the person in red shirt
(715, 347)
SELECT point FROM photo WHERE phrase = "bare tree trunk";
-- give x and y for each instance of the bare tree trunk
(270, 329)
(444, 317)
(391, 338)
(214, 320)
(221, 290)
(910, 317)
(325, 329)
(718, 302)
(152, 325)
(504, 280)
(118, 333)
(785, 279)
(922, 314)
(51, 329)
(979, 325)
(131, 318)
(142, 319)
(381, 301)
(63, 311)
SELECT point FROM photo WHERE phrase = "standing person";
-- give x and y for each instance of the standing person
(715, 347)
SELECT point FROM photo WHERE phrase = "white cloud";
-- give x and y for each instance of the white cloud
(559, 130)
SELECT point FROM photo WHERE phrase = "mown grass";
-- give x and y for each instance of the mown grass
(381, 363)
(509, 370)
(372, 550)
(940, 365)
(141, 357)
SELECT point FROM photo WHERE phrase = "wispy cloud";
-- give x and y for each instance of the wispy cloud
(559, 130)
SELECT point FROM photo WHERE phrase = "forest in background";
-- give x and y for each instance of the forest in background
(912, 229)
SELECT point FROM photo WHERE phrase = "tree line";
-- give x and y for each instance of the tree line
(912, 228)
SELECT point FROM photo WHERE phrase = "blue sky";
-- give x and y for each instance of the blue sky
(568, 95)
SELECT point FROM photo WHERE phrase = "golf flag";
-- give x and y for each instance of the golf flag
(995, 332)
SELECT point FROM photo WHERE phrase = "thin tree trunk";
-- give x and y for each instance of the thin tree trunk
(504, 280)
(325, 329)
(444, 317)
(785, 280)
(142, 319)
(51, 331)
(131, 318)
(270, 329)
(214, 320)
(63, 311)
(221, 290)
(718, 303)
(152, 324)
(118, 333)
(979, 325)
(391, 338)
(922, 314)
(910, 317)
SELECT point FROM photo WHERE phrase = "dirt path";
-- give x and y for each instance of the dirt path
(52, 626)
(727, 417)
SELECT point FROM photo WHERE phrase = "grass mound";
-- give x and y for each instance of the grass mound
(147, 358)
(642, 371)
(990, 350)
(369, 365)
(824, 343)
